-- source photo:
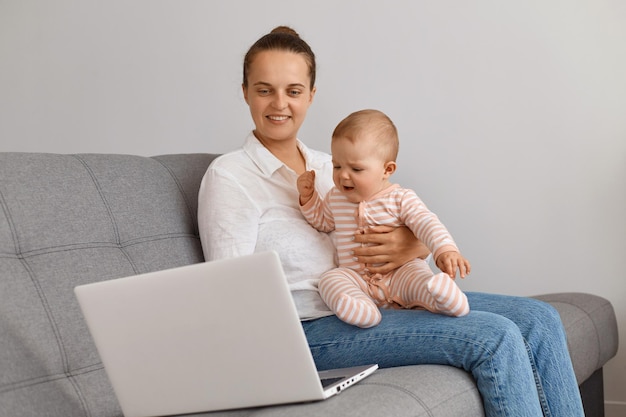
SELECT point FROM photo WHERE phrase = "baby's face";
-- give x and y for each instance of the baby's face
(358, 169)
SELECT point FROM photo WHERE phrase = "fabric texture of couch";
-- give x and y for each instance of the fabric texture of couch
(67, 220)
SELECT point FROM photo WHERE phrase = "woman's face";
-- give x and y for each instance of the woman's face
(278, 95)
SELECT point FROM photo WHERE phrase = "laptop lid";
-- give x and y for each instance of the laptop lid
(209, 336)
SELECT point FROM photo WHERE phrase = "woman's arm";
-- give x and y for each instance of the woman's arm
(228, 220)
(391, 247)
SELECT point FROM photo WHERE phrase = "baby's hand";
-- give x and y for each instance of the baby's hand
(306, 186)
(449, 262)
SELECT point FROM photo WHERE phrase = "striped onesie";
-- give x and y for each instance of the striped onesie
(350, 290)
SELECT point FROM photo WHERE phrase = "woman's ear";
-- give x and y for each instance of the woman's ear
(390, 168)
(312, 95)
(245, 92)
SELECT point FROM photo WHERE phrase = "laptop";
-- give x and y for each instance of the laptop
(210, 336)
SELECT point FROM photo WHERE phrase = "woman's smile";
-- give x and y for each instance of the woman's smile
(278, 118)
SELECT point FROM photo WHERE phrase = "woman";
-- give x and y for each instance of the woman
(514, 347)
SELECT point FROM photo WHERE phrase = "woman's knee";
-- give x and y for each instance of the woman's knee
(536, 314)
(484, 339)
(544, 310)
(497, 333)
(527, 313)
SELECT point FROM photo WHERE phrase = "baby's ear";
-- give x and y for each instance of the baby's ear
(390, 168)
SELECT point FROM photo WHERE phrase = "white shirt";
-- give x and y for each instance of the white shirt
(248, 202)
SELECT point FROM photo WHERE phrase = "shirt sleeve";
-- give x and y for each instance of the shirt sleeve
(229, 227)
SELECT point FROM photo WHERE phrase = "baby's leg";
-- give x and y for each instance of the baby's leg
(415, 286)
(343, 290)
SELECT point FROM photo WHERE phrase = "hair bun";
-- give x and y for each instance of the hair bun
(285, 29)
(281, 38)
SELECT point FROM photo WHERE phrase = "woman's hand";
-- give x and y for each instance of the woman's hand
(391, 247)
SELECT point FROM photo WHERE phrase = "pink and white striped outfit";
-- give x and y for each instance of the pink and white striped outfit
(350, 290)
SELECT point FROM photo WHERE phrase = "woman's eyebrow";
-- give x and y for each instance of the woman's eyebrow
(266, 84)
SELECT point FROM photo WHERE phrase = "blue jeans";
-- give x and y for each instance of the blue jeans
(515, 348)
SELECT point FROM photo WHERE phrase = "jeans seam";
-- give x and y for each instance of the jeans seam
(542, 396)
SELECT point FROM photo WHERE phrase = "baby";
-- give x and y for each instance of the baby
(364, 149)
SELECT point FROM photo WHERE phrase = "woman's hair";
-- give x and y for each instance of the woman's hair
(281, 38)
(374, 123)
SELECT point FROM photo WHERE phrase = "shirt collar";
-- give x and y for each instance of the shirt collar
(268, 163)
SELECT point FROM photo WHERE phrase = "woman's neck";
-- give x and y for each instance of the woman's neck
(287, 152)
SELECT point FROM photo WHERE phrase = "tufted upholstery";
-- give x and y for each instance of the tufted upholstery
(70, 220)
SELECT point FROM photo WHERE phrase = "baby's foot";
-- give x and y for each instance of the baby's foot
(358, 312)
(449, 298)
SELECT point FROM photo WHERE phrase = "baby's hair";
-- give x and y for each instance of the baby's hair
(374, 123)
(281, 38)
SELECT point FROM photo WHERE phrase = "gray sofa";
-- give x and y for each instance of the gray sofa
(67, 220)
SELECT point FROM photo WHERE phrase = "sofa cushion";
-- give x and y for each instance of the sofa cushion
(405, 391)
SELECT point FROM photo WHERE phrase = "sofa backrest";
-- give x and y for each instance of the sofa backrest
(67, 220)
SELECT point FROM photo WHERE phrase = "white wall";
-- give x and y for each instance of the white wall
(512, 115)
